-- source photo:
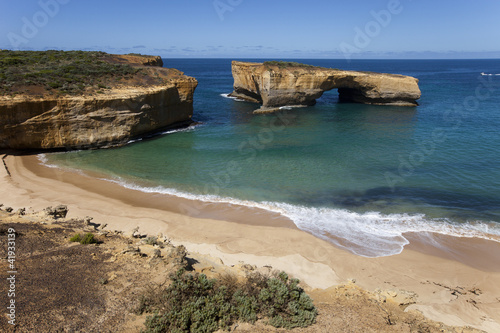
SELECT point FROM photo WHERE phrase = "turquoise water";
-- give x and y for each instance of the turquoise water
(364, 174)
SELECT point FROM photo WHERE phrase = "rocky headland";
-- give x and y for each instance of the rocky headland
(274, 84)
(126, 97)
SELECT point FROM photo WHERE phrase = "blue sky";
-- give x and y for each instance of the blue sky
(257, 28)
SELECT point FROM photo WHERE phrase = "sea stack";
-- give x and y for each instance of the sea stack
(274, 84)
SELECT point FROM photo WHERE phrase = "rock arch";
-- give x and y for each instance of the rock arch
(279, 84)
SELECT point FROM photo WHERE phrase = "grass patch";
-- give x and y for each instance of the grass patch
(70, 72)
(286, 64)
(152, 240)
(76, 238)
(195, 303)
(88, 238)
(291, 64)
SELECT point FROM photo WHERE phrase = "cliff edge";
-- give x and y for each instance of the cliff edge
(275, 84)
(77, 100)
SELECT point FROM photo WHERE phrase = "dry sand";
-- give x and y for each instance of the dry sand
(456, 280)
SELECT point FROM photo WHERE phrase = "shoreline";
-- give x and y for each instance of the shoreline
(93, 182)
(254, 236)
(391, 240)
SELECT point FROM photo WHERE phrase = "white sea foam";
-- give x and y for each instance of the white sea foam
(373, 234)
(233, 98)
(485, 74)
(134, 140)
(45, 161)
(227, 96)
(291, 107)
(171, 131)
(370, 234)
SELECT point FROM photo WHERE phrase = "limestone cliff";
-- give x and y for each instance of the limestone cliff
(156, 98)
(281, 84)
(136, 59)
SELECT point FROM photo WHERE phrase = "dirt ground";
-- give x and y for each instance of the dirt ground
(63, 286)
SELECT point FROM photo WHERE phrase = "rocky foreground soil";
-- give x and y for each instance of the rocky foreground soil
(65, 286)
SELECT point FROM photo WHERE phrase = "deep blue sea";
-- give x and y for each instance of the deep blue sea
(357, 175)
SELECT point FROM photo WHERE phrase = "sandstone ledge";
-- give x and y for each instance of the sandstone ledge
(273, 86)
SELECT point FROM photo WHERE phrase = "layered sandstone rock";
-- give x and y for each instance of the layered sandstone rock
(136, 59)
(109, 118)
(275, 85)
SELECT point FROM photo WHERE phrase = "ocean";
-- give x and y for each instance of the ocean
(359, 176)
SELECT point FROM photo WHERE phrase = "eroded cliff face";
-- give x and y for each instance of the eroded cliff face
(108, 118)
(274, 86)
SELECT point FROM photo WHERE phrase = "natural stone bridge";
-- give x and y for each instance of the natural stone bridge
(278, 84)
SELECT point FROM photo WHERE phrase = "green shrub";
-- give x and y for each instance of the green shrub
(195, 303)
(50, 68)
(151, 240)
(76, 238)
(286, 64)
(88, 238)
(54, 85)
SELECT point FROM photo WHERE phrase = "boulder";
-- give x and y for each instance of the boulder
(58, 212)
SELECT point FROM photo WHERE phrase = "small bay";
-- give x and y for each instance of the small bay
(365, 174)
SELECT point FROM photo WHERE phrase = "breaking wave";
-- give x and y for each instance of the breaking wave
(370, 234)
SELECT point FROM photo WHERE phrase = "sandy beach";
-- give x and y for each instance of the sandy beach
(454, 280)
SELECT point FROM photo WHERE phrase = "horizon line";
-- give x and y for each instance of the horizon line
(446, 56)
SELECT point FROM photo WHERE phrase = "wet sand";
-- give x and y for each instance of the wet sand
(457, 280)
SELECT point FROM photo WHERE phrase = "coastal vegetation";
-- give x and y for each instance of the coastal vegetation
(96, 288)
(67, 72)
(196, 303)
(88, 238)
(286, 64)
